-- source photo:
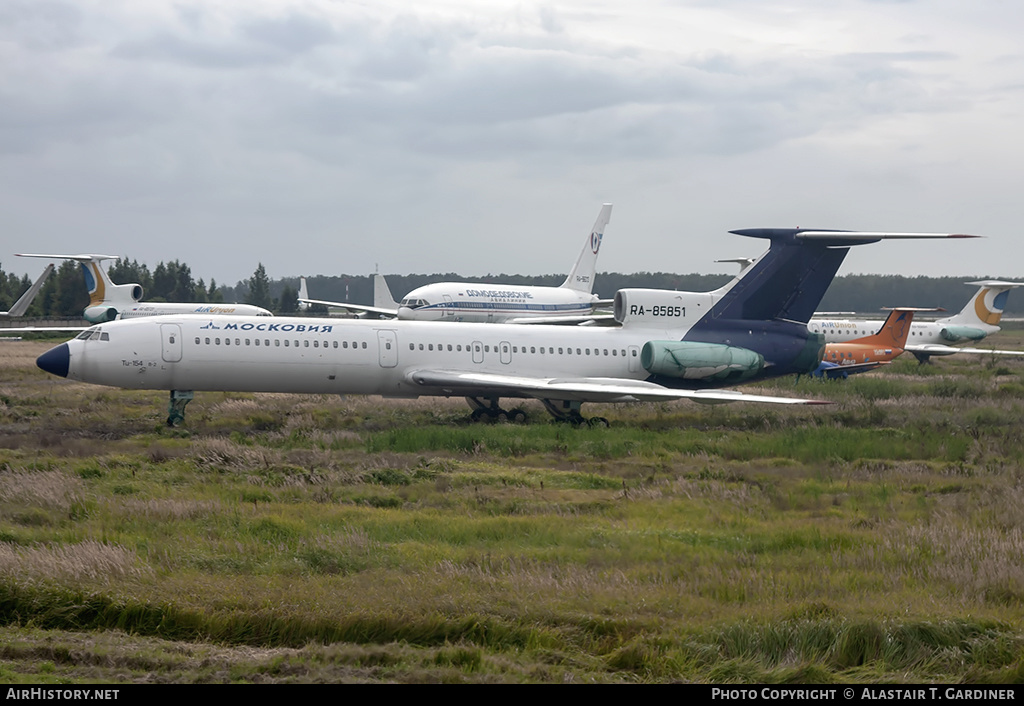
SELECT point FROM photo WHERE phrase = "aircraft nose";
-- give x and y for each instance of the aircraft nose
(56, 360)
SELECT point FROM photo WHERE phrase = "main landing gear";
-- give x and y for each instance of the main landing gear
(569, 411)
(488, 409)
(176, 408)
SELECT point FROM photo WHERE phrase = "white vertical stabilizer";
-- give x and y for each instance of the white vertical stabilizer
(581, 277)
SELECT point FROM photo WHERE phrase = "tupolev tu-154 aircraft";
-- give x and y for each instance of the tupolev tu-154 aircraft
(571, 302)
(979, 318)
(109, 301)
(669, 345)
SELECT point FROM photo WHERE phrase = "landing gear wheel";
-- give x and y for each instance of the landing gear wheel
(176, 407)
(517, 416)
(598, 422)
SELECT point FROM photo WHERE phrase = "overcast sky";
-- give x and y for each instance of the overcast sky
(328, 137)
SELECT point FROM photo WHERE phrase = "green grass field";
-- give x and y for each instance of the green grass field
(285, 538)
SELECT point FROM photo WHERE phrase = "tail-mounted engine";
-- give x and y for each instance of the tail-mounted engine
(691, 360)
(660, 308)
(962, 333)
(99, 314)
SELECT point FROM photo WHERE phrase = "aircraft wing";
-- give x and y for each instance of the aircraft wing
(353, 307)
(581, 389)
(41, 329)
(935, 349)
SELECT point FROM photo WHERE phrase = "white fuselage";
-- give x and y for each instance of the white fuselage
(921, 332)
(342, 357)
(137, 310)
(492, 303)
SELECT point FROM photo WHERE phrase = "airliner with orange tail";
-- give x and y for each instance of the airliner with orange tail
(868, 352)
(978, 319)
(109, 301)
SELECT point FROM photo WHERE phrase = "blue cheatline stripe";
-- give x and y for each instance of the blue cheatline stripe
(500, 306)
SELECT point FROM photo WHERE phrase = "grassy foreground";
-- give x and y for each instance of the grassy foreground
(297, 538)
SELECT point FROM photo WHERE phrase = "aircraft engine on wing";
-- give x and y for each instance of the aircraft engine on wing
(99, 314)
(962, 333)
(692, 360)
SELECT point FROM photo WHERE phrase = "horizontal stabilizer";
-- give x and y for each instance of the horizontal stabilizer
(839, 237)
(77, 258)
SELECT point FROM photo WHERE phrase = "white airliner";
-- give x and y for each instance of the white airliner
(109, 301)
(572, 302)
(978, 319)
(20, 306)
(670, 345)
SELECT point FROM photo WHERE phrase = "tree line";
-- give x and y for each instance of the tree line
(64, 293)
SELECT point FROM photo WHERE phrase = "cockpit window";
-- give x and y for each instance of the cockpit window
(414, 303)
(84, 335)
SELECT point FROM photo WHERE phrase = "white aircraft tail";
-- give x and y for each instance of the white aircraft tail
(20, 306)
(986, 306)
(303, 294)
(101, 289)
(382, 297)
(581, 277)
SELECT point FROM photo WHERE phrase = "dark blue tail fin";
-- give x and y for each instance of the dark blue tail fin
(788, 282)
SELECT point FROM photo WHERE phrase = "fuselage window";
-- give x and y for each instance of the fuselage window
(387, 344)
(459, 348)
(487, 349)
(297, 342)
(588, 351)
(559, 351)
(412, 346)
(634, 353)
(248, 342)
(614, 352)
(286, 343)
(421, 346)
(257, 341)
(277, 342)
(335, 344)
(170, 339)
(306, 342)
(197, 340)
(430, 346)
(364, 344)
(216, 341)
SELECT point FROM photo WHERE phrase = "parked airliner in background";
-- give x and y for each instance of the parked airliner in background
(669, 345)
(109, 301)
(572, 302)
(384, 305)
(868, 352)
(19, 307)
(978, 319)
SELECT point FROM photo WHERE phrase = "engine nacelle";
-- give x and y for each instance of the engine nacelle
(99, 314)
(691, 360)
(661, 308)
(962, 333)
